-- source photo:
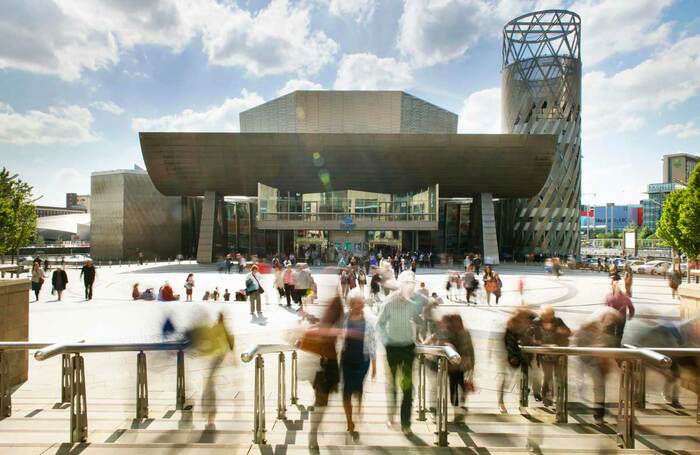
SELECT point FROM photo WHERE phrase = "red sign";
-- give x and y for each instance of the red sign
(589, 213)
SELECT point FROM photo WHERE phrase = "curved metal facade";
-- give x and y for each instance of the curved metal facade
(541, 94)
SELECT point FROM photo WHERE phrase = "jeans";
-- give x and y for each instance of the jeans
(288, 293)
(88, 289)
(254, 302)
(400, 359)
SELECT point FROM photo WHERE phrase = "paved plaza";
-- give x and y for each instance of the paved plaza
(113, 317)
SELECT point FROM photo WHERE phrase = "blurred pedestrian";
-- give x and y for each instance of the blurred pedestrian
(396, 325)
(674, 281)
(517, 333)
(289, 280)
(87, 272)
(490, 283)
(461, 375)
(549, 330)
(215, 342)
(59, 281)
(628, 280)
(358, 353)
(470, 283)
(619, 301)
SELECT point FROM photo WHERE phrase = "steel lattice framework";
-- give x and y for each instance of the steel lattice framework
(541, 94)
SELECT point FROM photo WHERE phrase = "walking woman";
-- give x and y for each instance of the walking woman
(359, 350)
(460, 374)
(189, 285)
(59, 280)
(279, 282)
(38, 277)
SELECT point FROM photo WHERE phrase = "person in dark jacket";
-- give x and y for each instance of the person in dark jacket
(59, 280)
(88, 274)
(550, 330)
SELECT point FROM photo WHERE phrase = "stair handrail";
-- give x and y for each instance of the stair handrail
(23, 345)
(73, 375)
(445, 351)
(264, 348)
(631, 360)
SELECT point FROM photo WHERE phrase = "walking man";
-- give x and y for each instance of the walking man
(396, 326)
(88, 274)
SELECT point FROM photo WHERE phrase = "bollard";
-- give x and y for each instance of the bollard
(562, 405)
(5, 389)
(281, 388)
(625, 406)
(180, 386)
(421, 388)
(78, 401)
(295, 396)
(141, 386)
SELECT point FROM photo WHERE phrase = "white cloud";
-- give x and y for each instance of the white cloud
(67, 37)
(436, 31)
(680, 130)
(621, 101)
(611, 27)
(369, 72)
(60, 125)
(215, 118)
(293, 85)
(481, 112)
(359, 10)
(108, 106)
(277, 39)
(71, 177)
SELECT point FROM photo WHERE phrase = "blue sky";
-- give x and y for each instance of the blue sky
(80, 78)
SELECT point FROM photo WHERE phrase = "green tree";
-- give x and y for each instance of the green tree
(17, 214)
(645, 233)
(668, 228)
(689, 216)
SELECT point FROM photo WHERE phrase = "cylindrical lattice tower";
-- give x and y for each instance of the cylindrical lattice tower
(541, 94)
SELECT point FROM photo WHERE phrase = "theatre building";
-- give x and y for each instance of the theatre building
(333, 171)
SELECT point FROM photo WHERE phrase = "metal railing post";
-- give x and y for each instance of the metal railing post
(441, 405)
(65, 378)
(281, 388)
(259, 401)
(78, 401)
(180, 386)
(5, 389)
(421, 388)
(697, 389)
(141, 386)
(562, 380)
(524, 384)
(640, 384)
(295, 396)
(625, 409)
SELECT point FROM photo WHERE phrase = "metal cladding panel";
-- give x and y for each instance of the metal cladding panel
(189, 164)
(541, 94)
(107, 215)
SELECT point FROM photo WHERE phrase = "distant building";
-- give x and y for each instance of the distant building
(611, 217)
(46, 210)
(653, 206)
(129, 216)
(78, 201)
(678, 167)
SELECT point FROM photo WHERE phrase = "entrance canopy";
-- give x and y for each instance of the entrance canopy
(505, 165)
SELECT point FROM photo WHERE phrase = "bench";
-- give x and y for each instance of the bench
(12, 269)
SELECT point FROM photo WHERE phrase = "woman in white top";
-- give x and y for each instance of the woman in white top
(38, 277)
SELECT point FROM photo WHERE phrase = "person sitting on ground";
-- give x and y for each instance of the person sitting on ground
(215, 294)
(206, 295)
(227, 296)
(135, 294)
(166, 293)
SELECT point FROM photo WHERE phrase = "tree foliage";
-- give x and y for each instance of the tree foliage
(17, 213)
(679, 225)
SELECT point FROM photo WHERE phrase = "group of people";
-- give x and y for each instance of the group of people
(468, 283)
(59, 279)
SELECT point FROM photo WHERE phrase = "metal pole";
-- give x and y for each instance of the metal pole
(697, 389)
(295, 396)
(78, 401)
(640, 386)
(180, 387)
(5, 390)
(259, 403)
(141, 386)
(281, 388)
(625, 411)
(441, 406)
(421, 388)
(562, 405)
(524, 384)
(65, 378)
